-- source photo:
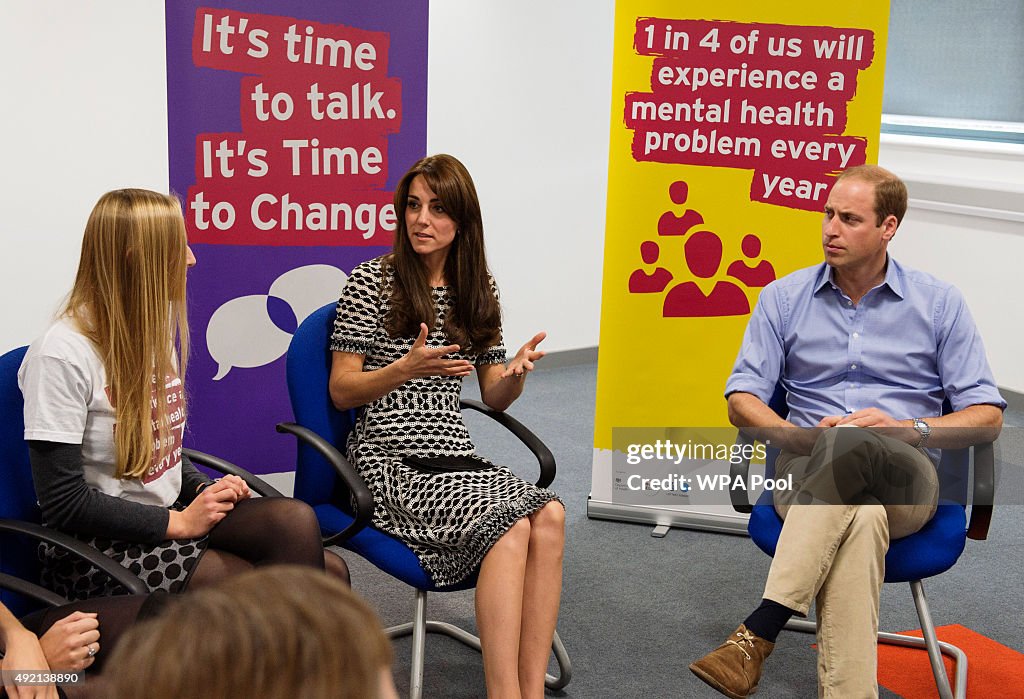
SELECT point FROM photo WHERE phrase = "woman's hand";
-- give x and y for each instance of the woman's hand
(71, 644)
(429, 361)
(522, 363)
(211, 506)
(240, 487)
(24, 654)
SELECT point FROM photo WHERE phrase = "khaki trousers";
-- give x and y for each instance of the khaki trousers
(855, 491)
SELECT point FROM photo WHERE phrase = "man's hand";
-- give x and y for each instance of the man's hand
(868, 417)
(875, 418)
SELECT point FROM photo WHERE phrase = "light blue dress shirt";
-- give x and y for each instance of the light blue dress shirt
(909, 343)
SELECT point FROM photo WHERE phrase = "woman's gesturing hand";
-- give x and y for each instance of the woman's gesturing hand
(429, 361)
(522, 363)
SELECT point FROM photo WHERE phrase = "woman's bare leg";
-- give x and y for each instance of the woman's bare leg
(542, 591)
(499, 610)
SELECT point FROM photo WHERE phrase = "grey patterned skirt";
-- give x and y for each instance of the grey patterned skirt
(165, 566)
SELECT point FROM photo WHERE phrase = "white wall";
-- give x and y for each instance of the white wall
(966, 225)
(86, 81)
(83, 110)
(519, 91)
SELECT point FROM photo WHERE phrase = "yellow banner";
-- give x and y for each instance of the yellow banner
(728, 125)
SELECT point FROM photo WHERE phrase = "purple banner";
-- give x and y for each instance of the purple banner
(289, 124)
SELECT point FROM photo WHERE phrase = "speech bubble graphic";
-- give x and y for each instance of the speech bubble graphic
(308, 288)
(241, 334)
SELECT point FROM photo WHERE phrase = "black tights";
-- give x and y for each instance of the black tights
(115, 615)
(262, 532)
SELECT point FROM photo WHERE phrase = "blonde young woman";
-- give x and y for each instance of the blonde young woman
(410, 326)
(105, 415)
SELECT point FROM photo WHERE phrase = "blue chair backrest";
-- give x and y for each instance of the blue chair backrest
(17, 495)
(308, 369)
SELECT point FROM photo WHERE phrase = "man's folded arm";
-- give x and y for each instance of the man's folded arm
(758, 421)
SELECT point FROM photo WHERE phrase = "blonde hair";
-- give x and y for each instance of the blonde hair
(275, 632)
(129, 300)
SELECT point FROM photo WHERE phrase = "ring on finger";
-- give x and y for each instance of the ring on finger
(92, 650)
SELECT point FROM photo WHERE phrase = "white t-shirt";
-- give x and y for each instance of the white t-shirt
(67, 400)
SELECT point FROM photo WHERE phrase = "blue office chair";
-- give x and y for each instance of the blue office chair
(325, 479)
(20, 519)
(932, 550)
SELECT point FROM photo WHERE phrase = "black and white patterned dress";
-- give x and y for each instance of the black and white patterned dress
(449, 519)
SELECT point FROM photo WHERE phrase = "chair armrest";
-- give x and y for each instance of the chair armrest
(117, 572)
(255, 483)
(36, 592)
(984, 491)
(361, 495)
(545, 458)
(740, 469)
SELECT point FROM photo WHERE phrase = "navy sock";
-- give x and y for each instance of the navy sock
(768, 619)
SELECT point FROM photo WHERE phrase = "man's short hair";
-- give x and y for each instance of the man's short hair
(890, 192)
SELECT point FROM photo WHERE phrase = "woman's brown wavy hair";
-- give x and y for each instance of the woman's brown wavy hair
(474, 322)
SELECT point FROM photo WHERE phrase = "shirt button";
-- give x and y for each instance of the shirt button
(856, 335)
(849, 303)
(853, 366)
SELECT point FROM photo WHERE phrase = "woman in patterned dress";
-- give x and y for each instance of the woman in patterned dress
(411, 325)
(105, 416)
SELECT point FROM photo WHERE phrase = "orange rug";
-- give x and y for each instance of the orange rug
(993, 670)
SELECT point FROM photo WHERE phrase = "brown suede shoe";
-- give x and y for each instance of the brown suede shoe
(734, 668)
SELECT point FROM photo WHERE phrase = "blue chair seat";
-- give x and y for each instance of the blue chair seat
(383, 551)
(930, 551)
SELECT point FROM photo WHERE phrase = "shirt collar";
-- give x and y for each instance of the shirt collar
(893, 277)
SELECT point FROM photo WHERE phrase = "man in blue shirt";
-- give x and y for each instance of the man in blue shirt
(857, 341)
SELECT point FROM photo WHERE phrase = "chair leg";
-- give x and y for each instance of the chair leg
(564, 666)
(936, 648)
(418, 629)
(421, 626)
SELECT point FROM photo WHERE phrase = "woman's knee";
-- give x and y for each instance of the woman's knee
(548, 522)
(336, 566)
(286, 514)
(516, 538)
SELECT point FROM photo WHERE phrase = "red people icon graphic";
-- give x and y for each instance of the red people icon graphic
(704, 257)
(641, 282)
(752, 275)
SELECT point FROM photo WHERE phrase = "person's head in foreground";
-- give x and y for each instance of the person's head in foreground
(277, 632)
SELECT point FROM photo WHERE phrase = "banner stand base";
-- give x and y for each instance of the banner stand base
(735, 523)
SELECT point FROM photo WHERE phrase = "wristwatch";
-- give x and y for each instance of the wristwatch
(923, 429)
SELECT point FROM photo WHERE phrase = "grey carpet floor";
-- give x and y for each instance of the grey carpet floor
(636, 610)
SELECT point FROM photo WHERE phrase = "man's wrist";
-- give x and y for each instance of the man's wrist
(923, 430)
